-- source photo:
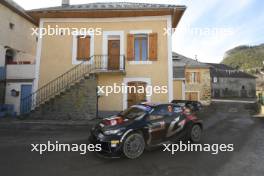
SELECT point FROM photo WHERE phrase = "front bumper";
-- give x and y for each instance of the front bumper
(111, 145)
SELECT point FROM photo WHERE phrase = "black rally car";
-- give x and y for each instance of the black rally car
(144, 126)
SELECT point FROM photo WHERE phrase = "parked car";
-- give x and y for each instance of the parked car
(144, 126)
(195, 106)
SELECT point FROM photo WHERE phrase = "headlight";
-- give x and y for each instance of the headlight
(109, 132)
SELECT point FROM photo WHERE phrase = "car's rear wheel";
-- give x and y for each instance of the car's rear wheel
(195, 133)
(133, 146)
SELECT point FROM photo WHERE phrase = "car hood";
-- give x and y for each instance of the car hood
(101, 125)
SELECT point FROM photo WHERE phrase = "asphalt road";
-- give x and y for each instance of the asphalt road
(229, 123)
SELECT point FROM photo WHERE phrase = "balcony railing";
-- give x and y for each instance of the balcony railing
(105, 63)
(20, 71)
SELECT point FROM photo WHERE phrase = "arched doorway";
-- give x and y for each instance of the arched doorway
(136, 92)
(10, 56)
(243, 92)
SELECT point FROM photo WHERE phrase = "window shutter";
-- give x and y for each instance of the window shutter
(153, 46)
(87, 48)
(188, 77)
(79, 48)
(83, 48)
(198, 77)
(130, 47)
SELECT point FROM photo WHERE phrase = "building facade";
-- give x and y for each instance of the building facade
(126, 46)
(191, 79)
(17, 55)
(228, 82)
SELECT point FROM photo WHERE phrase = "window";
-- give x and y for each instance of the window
(215, 80)
(11, 25)
(160, 110)
(141, 47)
(132, 113)
(83, 48)
(169, 109)
(193, 77)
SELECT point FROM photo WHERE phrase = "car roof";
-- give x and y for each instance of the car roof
(153, 105)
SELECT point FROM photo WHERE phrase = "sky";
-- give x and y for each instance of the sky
(207, 29)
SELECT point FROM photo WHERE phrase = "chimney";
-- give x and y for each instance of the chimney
(65, 3)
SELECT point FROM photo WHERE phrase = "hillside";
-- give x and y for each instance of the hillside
(247, 58)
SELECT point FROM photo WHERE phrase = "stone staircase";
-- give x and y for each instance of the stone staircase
(78, 102)
(70, 96)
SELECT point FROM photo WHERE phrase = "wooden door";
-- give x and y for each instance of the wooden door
(193, 96)
(134, 97)
(113, 54)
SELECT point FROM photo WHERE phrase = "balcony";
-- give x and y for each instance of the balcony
(108, 63)
(20, 71)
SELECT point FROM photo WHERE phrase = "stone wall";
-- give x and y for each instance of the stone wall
(77, 103)
(204, 87)
(234, 87)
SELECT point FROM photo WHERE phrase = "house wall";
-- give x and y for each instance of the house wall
(177, 89)
(18, 38)
(231, 87)
(204, 87)
(14, 100)
(56, 56)
(112, 102)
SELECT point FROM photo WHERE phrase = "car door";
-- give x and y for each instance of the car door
(157, 125)
(173, 120)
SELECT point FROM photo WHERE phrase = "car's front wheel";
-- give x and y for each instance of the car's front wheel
(133, 146)
(195, 133)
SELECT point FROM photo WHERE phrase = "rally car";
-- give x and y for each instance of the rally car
(144, 126)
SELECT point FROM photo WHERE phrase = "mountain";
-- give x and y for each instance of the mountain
(246, 58)
(249, 59)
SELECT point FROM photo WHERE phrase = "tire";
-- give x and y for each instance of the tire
(133, 146)
(195, 133)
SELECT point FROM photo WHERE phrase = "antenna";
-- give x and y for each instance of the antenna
(195, 57)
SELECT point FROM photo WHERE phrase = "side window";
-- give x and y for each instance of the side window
(177, 109)
(166, 110)
(160, 110)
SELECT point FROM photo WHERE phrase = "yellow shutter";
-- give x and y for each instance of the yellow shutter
(83, 48)
(198, 77)
(79, 48)
(188, 77)
(130, 47)
(87, 48)
(153, 46)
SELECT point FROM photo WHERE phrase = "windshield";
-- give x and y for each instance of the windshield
(133, 112)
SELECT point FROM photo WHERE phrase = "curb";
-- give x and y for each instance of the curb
(46, 125)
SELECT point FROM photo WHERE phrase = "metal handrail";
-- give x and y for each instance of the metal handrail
(62, 82)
